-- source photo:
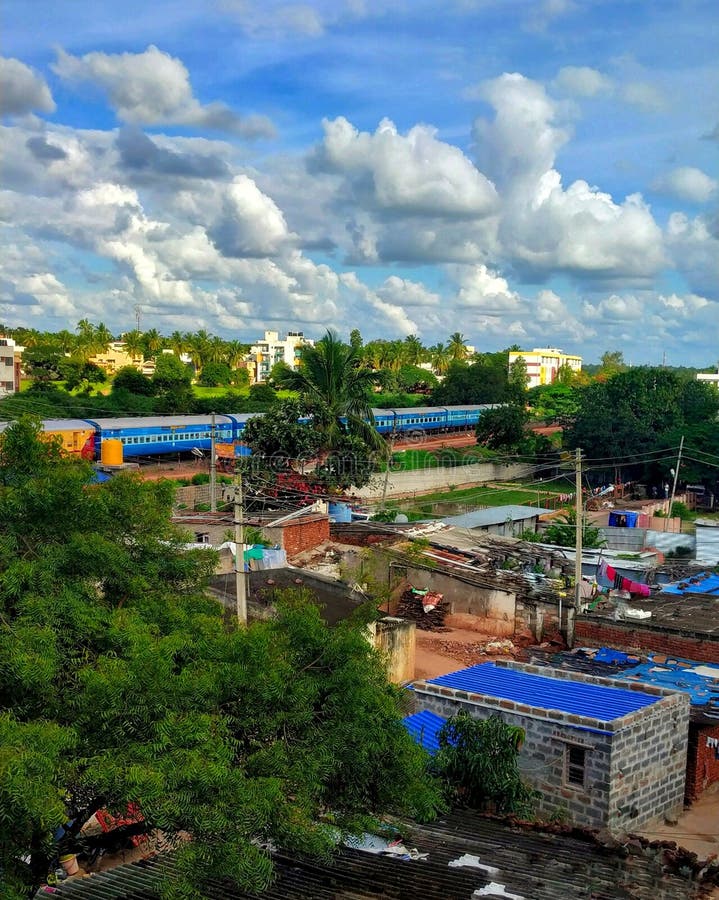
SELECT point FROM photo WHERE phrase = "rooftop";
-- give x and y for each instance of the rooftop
(495, 515)
(425, 727)
(702, 583)
(466, 853)
(580, 698)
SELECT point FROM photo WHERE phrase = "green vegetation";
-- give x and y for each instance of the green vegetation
(477, 761)
(120, 684)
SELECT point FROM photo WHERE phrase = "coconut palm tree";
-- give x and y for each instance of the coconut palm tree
(457, 346)
(440, 358)
(413, 350)
(336, 387)
(133, 343)
(152, 342)
(235, 352)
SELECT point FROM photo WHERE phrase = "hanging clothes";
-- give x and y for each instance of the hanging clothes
(620, 583)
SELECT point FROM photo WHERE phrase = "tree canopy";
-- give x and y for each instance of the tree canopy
(120, 684)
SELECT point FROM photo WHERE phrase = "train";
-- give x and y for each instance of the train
(151, 436)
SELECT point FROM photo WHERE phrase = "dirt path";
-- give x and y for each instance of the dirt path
(698, 827)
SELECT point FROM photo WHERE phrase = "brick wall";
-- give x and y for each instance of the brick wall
(702, 759)
(634, 766)
(298, 536)
(594, 632)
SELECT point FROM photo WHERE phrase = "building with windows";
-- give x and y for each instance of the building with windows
(10, 355)
(603, 753)
(543, 364)
(116, 357)
(270, 350)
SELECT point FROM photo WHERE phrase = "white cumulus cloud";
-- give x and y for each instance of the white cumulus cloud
(686, 183)
(153, 87)
(582, 81)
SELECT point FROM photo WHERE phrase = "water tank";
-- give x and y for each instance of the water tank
(340, 512)
(111, 452)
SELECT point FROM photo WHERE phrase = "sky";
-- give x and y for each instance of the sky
(530, 172)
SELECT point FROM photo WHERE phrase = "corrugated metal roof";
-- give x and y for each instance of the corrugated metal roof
(496, 515)
(575, 697)
(425, 727)
(565, 863)
(702, 583)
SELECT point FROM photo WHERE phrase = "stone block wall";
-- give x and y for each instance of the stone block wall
(648, 764)
(396, 640)
(610, 796)
(597, 632)
(702, 759)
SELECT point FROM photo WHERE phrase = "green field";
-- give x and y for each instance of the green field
(499, 495)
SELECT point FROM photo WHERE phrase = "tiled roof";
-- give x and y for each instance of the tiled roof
(575, 697)
(465, 854)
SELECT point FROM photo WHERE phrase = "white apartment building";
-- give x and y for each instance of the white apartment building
(709, 377)
(543, 363)
(265, 353)
(9, 366)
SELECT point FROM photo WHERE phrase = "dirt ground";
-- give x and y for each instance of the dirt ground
(698, 827)
(440, 652)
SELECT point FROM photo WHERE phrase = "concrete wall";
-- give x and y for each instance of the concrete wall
(634, 766)
(396, 640)
(403, 484)
(702, 759)
(494, 607)
(599, 632)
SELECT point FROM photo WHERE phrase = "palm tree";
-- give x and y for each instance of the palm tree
(177, 342)
(457, 346)
(133, 343)
(152, 342)
(216, 350)
(103, 338)
(235, 352)
(413, 350)
(440, 358)
(336, 387)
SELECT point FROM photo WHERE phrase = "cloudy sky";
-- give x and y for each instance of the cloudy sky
(539, 172)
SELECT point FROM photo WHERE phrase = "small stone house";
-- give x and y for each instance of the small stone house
(602, 754)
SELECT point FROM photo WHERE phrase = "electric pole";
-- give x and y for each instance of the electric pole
(213, 467)
(240, 582)
(579, 507)
(676, 476)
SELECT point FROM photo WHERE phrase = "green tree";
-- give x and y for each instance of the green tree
(335, 387)
(483, 381)
(172, 384)
(503, 429)
(279, 437)
(563, 532)
(612, 362)
(119, 684)
(42, 362)
(457, 346)
(517, 381)
(79, 373)
(128, 378)
(215, 374)
(477, 760)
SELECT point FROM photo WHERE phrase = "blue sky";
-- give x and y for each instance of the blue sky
(539, 173)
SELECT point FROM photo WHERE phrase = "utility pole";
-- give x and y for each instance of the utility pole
(240, 582)
(676, 476)
(213, 467)
(579, 507)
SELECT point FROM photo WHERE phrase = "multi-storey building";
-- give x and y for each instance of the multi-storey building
(543, 363)
(265, 353)
(9, 366)
(116, 357)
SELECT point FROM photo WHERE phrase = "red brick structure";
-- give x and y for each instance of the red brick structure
(702, 759)
(300, 534)
(597, 632)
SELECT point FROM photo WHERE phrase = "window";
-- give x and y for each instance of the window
(202, 537)
(575, 761)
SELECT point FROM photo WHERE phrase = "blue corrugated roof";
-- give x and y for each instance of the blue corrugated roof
(703, 583)
(425, 727)
(678, 675)
(576, 697)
